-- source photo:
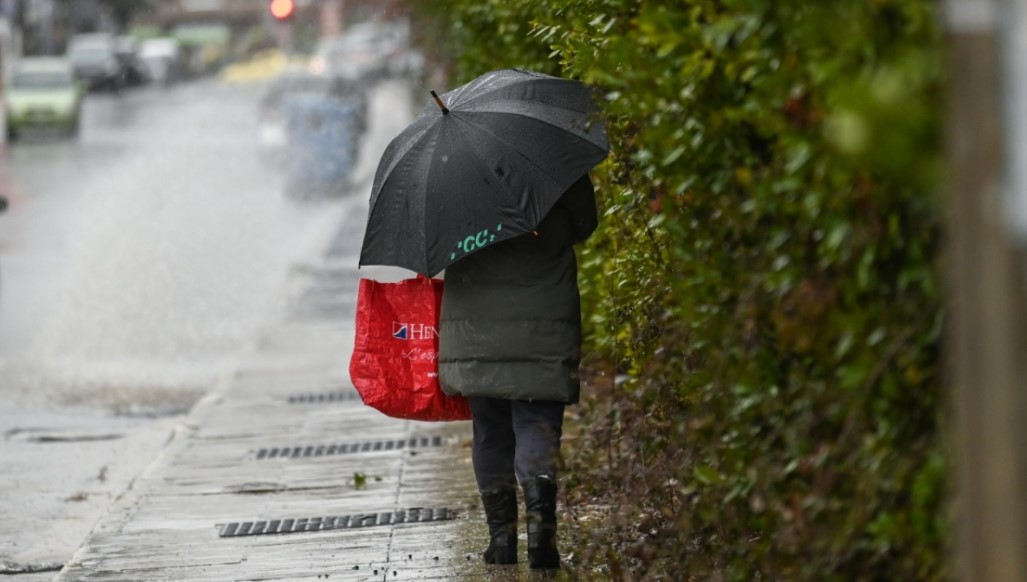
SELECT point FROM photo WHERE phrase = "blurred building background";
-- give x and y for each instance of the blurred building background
(239, 27)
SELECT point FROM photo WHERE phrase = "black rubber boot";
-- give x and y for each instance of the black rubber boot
(540, 501)
(501, 516)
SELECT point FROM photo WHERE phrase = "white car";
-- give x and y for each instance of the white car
(94, 58)
(163, 59)
(359, 54)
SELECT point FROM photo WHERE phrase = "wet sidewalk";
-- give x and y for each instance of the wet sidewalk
(281, 473)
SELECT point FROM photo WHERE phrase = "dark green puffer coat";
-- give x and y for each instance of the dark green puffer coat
(510, 325)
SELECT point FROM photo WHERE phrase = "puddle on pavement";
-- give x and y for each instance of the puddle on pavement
(133, 401)
(34, 386)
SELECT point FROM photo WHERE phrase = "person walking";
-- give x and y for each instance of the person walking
(510, 341)
(490, 184)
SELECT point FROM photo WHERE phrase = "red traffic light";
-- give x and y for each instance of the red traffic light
(282, 9)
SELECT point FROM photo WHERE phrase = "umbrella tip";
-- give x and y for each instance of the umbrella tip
(438, 101)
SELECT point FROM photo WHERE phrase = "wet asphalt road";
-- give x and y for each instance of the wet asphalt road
(137, 262)
(147, 249)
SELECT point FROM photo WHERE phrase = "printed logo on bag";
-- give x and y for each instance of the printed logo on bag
(400, 330)
(413, 331)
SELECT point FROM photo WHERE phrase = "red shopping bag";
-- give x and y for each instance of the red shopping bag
(395, 356)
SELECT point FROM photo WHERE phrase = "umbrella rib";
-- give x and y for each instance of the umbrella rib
(403, 148)
(454, 96)
(433, 167)
(390, 175)
(544, 121)
(484, 107)
(488, 169)
(542, 170)
(478, 96)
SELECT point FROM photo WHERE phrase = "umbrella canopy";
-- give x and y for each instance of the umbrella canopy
(483, 163)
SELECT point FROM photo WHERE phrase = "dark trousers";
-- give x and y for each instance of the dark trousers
(514, 441)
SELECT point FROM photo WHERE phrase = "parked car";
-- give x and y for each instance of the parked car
(135, 69)
(43, 92)
(361, 53)
(94, 57)
(163, 58)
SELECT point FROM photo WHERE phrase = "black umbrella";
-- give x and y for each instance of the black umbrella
(483, 163)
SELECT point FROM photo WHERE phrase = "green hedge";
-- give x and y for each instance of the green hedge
(766, 272)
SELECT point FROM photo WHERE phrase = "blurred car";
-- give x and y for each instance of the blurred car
(43, 92)
(163, 59)
(400, 57)
(206, 45)
(94, 57)
(127, 52)
(361, 53)
(272, 127)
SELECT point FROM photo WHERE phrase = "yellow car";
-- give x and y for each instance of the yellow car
(43, 92)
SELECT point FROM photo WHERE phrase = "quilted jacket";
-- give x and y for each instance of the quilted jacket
(510, 325)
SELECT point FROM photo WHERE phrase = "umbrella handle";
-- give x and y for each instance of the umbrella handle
(438, 100)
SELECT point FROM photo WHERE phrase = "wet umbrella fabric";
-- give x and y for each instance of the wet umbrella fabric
(483, 165)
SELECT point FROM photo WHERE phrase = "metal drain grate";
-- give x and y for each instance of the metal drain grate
(340, 396)
(347, 449)
(283, 526)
